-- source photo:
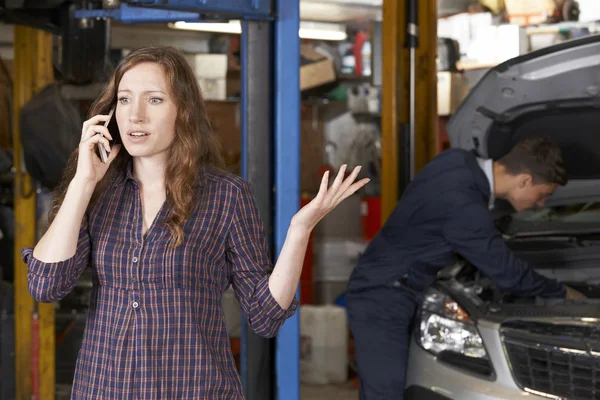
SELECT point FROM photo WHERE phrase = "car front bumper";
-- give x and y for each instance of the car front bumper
(430, 379)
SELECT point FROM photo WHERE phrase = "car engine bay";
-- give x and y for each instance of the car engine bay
(463, 280)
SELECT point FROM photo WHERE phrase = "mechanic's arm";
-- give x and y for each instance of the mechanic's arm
(470, 231)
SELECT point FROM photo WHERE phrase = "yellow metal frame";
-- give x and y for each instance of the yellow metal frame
(33, 71)
(396, 94)
(392, 92)
(427, 136)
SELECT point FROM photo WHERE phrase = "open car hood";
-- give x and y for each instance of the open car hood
(553, 92)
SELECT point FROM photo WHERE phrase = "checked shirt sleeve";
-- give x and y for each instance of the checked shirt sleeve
(250, 267)
(50, 282)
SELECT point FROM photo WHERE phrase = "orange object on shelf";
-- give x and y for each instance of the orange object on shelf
(370, 210)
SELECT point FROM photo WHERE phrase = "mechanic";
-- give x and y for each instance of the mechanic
(444, 212)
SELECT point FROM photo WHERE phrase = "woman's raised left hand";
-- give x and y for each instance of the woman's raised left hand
(328, 198)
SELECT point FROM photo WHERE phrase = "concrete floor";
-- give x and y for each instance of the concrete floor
(307, 392)
(328, 392)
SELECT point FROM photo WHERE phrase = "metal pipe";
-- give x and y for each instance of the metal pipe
(257, 168)
(412, 42)
(412, 114)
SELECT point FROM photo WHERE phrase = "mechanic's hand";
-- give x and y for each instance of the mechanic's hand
(573, 294)
(90, 167)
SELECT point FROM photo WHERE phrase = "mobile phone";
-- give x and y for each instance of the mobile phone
(101, 149)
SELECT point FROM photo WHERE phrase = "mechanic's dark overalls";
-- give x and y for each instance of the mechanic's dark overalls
(444, 211)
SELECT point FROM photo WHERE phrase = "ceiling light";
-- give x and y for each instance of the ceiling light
(218, 27)
(308, 30)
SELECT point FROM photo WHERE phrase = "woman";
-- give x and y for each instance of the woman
(166, 231)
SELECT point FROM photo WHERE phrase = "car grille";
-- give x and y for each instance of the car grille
(560, 360)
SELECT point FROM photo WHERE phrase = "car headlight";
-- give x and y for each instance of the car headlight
(445, 326)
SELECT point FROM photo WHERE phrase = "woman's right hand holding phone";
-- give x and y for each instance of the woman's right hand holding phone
(90, 167)
(60, 241)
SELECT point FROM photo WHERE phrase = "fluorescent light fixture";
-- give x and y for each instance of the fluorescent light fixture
(219, 27)
(308, 30)
(322, 31)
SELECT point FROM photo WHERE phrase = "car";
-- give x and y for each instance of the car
(472, 341)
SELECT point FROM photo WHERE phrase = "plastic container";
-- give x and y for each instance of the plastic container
(323, 344)
(336, 257)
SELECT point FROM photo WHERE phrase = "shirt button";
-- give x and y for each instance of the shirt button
(134, 280)
(135, 304)
(135, 259)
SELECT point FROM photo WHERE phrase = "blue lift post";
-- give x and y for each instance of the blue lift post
(270, 144)
(268, 53)
(287, 175)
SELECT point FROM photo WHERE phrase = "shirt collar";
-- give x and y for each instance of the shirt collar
(129, 173)
(487, 165)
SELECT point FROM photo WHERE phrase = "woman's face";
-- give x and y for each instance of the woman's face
(146, 112)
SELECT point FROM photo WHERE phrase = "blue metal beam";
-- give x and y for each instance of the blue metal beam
(139, 15)
(287, 176)
(250, 8)
(165, 10)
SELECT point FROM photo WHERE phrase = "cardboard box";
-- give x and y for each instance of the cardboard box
(496, 6)
(315, 68)
(452, 88)
(211, 71)
(213, 88)
(497, 44)
(529, 12)
(208, 65)
(213, 76)
(512, 42)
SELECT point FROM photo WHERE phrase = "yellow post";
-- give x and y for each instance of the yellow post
(33, 71)
(394, 88)
(24, 218)
(396, 93)
(43, 76)
(426, 135)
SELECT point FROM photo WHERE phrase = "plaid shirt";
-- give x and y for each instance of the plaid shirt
(155, 327)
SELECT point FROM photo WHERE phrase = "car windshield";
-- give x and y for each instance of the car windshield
(583, 217)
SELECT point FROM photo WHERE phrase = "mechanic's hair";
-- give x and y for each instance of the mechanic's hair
(194, 145)
(539, 157)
